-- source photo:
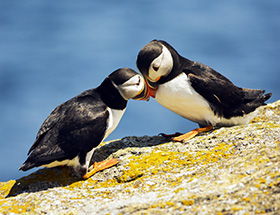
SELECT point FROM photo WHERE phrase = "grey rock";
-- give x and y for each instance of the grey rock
(233, 170)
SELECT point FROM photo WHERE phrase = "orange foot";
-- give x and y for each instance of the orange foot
(191, 134)
(98, 166)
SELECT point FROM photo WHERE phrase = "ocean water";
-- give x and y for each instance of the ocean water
(50, 52)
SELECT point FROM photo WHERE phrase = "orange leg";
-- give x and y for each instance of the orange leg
(98, 166)
(191, 134)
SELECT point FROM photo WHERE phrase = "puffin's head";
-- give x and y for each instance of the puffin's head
(130, 84)
(154, 61)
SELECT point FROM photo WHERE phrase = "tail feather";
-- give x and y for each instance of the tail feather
(255, 99)
(252, 94)
(267, 96)
(261, 99)
(26, 166)
(258, 96)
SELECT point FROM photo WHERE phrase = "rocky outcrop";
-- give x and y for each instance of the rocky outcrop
(234, 170)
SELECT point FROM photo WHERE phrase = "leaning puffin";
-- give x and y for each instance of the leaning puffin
(75, 128)
(195, 91)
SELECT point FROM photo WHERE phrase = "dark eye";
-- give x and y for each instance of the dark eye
(155, 68)
(139, 81)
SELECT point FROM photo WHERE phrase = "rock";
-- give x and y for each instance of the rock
(233, 170)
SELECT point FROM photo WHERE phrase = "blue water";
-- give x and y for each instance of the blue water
(52, 51)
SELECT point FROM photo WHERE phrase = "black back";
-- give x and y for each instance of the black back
(77, 126)
(224, 98)
(73, 128)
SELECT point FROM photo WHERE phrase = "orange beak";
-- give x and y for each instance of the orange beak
(149, 89)
(143, 94)
(152, 89)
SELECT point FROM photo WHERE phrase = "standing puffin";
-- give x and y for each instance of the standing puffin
(195, 91)
(75, 128)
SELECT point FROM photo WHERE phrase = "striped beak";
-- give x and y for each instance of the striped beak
(143, 94)
(152, 87)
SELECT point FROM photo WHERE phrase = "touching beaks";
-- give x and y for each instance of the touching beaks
(143, 94)
(152, 87)
(148, 90)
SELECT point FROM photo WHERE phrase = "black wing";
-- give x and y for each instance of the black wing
(73, 128)
(224, 97)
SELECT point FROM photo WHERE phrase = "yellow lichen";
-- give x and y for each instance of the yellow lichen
(5, 188)
(160, 161)
(237, 208)
(161, 171)
(170, 203)
(246, 199)
(188, 202)
(15, 207)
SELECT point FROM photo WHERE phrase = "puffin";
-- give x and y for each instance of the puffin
(195, 91)
(76, 127)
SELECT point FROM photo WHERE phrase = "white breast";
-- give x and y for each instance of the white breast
(114, 119)
(179, 96)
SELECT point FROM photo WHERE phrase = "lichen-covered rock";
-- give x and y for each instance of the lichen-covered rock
(225, 171)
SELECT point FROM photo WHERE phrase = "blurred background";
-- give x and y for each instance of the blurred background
(50, 52)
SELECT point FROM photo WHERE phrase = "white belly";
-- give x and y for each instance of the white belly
(179, 96)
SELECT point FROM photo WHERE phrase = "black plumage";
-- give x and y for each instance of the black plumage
(72, 129)
(225, 99)
(77, 126)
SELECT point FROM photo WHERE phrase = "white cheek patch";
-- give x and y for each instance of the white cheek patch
(157, 61)
(130, 89)
(165, 64)
(153, 75)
